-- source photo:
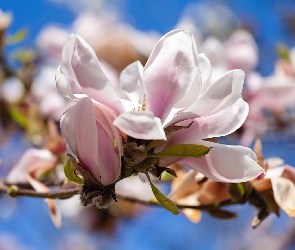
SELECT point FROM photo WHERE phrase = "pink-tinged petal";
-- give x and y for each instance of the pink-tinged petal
(81, 134)
(284, 194)
(240, 51)
(219, 124)
(109, 159)
(113, 132)
(140, 125)
(67, 55)
(223, 163)
(169, 72)
(131, 82)
(219, 95)
(32, 158)
(247, 151)
(84, 68)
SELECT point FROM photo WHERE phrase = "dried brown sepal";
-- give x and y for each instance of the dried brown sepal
(262, 215)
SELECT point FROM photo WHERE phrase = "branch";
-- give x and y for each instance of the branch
(155, 203)
(14, 191)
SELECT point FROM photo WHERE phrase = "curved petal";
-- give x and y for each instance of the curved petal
(131, 82)
(62, 84)
(107, 123)
(67, 55)
(219, 124)
(223, 163)
(140, 125)
(169, 72)
(79, 129)
(84, 68)
(109, 161)
(219, 95)
(205, 68)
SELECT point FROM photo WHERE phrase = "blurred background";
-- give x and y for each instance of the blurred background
(122, 31)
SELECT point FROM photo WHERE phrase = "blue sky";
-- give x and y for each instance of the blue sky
(266, 18)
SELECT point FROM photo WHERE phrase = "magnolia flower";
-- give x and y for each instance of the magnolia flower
(239, 51)
(275, 93)
(177, 89)
(170, 99)
(96, 146)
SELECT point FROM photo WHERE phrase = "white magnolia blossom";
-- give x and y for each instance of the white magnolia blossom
(172, 89)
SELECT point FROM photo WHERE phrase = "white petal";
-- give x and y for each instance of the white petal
(223, 163)
(140, 125)
(131, 82)
(205, 68)
(170, 72)
(219, 95)
(85, 69)
(219, 124)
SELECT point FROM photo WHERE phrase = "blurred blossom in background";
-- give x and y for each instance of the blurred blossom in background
(251, 35)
